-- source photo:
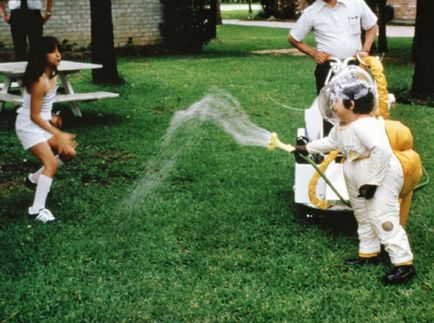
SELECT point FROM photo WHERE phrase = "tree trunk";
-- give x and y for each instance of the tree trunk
(102, 42)
(214, 17)
(423, 47)
(382, 37)
(218, 13)
(250, 6)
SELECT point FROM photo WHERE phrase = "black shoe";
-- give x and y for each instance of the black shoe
(29, 183)
(362, 261)
(399, 274)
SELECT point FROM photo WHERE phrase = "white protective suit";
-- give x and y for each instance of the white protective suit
(369, 160)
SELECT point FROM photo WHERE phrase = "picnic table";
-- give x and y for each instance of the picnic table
(14, 71)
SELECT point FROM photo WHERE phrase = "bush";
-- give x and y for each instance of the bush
(282, 9)
(186, 25)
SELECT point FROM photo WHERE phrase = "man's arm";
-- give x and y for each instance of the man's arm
(370, 36)
(3, 12)
(318, 56)
(48, 6)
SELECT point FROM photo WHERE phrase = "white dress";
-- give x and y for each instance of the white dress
(28, 132)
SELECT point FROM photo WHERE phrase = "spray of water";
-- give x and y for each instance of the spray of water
(218, 107)
(224, 110)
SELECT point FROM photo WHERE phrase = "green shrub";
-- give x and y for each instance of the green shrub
(186, 25)
(283, 9)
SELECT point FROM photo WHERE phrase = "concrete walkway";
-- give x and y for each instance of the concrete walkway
(391, 31)
(239, 6)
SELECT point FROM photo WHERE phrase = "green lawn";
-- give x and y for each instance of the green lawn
(236, 13)
(217, 238)
(239, 14)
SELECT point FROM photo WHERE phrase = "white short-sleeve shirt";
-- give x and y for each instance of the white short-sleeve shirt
(337, 30)
(31, 4)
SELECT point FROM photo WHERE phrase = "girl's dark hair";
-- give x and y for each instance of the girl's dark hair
(38, 59)
(363, 105)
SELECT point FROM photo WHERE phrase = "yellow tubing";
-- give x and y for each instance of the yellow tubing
(377, 70)
(321, 204)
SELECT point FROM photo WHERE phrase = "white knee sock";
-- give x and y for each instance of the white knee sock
(35, 176)
(42, 190)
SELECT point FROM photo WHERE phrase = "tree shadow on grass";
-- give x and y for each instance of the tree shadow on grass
(90, 118)
(211, 54)
(7, 118)
(13, 204)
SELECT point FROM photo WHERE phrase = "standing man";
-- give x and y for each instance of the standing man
(337, 27)
(26, 21)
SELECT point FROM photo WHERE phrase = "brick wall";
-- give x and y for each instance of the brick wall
(136, 19)
(404, 9)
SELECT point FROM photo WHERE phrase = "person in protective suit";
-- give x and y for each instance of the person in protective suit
(373, 174)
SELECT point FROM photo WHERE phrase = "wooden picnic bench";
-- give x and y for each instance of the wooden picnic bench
(75, 97)
(15, 71)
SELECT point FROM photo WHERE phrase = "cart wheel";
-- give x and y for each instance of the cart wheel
(302, 211)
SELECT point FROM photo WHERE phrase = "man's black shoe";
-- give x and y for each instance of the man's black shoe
(400, 274)
(362, 261)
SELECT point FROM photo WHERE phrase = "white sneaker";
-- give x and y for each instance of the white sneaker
(43, 215)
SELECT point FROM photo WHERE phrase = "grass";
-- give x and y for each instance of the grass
(219, 239)
(239, 14)
(236, 13)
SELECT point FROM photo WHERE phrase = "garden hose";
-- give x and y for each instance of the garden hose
(274, 142)
(322, 204)
(425, 183)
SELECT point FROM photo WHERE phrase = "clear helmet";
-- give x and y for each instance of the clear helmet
(351, 83)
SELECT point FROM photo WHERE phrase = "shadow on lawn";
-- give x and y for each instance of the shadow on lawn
(90, 118)
(339, 223)
(207, 53)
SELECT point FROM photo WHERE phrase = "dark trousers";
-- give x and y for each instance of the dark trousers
(321, 72)
(25, 24)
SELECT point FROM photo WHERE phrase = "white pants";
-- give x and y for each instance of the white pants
(378, 217)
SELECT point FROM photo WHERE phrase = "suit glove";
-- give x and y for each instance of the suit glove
(301, 149)
(367, 191)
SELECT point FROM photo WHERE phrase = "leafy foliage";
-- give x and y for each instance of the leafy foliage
(186, 25)
(283, 9)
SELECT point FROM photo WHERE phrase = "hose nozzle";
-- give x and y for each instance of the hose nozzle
(274, 143)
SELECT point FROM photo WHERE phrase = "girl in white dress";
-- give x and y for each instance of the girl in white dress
(35, 126)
